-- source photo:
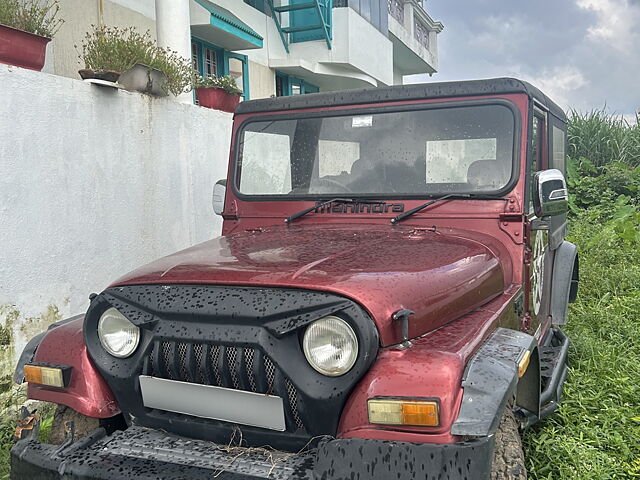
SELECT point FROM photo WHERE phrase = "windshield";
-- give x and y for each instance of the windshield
(422, 152)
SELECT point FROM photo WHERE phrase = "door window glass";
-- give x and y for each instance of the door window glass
(536, 155)
(558, 149)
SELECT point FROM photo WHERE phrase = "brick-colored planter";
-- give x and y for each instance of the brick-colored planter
(217, 98)
(22, 49)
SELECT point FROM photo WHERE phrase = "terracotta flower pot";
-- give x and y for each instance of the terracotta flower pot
(217, 98)
(22, 49)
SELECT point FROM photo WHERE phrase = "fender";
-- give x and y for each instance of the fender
(63, 344)
(491, 380)
(433, 366)
(565, 281)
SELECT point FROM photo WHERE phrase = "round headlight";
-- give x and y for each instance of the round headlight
(118, 335)
(331, 346)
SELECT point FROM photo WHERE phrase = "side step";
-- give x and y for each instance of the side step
(553, 372)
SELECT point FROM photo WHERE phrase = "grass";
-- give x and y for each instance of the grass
(596, 432)
(6, 441)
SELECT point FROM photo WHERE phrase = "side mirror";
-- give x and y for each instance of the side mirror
(550, 196)
(219, 192)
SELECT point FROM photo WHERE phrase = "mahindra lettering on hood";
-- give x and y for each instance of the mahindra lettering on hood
(385, 301)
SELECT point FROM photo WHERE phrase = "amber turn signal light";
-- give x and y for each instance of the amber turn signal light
(47, 375)
(523, 364)
(403, 411)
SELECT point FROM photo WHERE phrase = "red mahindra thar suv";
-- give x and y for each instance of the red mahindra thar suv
(385, 301)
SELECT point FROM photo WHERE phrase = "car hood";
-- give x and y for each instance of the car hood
(440, 275)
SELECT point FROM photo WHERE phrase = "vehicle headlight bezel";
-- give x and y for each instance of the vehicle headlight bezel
(341, 331)
(119, 325)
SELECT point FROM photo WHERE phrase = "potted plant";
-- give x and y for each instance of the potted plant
(220, 93)
(134, 60)
(26, 26)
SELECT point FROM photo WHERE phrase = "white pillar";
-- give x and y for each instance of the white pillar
(173, 27)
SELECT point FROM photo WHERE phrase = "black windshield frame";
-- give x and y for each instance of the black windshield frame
(356, 111)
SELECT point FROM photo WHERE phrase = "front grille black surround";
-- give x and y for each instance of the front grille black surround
(246, 338)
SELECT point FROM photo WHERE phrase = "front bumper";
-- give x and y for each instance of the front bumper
(145, 454)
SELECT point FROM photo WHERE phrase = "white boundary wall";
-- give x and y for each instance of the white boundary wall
(95, 182)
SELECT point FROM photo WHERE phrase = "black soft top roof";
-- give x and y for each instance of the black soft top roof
(494, 86)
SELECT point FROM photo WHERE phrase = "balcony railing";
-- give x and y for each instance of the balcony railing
(396, 9)
(421, 32)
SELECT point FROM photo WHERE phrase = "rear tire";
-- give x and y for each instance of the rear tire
(83, 425)
(508, 456)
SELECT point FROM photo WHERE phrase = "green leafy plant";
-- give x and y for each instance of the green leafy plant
(34, 16)
(227, 83)
(119, 49)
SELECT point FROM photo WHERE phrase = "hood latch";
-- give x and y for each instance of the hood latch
(403, 316)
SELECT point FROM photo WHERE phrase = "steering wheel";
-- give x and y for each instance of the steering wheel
(334, 183)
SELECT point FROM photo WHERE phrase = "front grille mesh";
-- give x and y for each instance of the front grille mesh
(225, 366)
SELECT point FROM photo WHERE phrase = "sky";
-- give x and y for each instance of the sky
(584, 54)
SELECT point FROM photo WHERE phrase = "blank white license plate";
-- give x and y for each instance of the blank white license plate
(218, 403)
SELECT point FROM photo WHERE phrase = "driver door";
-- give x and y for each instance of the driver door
(538, 255)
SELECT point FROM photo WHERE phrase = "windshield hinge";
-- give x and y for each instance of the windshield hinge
(512, 205)
(512, 223)
(232, 214)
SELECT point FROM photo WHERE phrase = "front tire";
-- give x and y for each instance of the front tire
(508, 456)
(83, 425)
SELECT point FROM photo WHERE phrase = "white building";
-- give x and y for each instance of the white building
(272, 47)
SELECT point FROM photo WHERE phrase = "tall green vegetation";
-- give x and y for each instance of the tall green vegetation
(596, 432)
(604, 138)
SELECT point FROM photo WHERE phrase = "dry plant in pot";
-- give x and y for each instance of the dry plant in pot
(135, 61)
(219, 93)
(26, 26)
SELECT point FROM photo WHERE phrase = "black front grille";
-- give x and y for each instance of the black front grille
(225, 366)
(244, 338)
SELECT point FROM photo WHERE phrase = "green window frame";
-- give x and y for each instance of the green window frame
(258, 5)
(199, 50)
(286, 86)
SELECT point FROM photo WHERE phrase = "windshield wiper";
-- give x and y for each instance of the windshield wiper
(301, 213)
(419, 208)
